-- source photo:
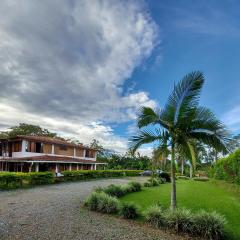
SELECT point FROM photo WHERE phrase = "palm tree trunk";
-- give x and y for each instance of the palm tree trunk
(182, 167)
(191, 171)
(173, 194)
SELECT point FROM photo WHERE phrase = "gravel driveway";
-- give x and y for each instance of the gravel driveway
(54, 212)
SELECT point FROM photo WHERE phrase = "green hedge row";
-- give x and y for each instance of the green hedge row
(11, 180)
(89, 174)
(228, 168)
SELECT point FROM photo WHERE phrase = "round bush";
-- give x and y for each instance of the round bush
(209, 225)
(135, 186)
(129, 210)
(155, 216)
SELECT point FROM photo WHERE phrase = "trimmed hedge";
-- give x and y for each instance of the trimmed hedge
(92, 174)
(228, 168)
(10, 180)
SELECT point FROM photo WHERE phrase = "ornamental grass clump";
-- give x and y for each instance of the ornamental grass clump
(135, 186)
(155, 216)
(102, 202)
(180, 220)
(129, 210)
(209, 225)
(115, 190)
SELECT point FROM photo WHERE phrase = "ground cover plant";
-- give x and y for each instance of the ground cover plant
(208, 225)
(195, 195)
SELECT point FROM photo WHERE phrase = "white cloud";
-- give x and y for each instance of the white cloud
(63, 64)
(232, 118)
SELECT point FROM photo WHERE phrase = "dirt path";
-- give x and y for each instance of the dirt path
(53, 212)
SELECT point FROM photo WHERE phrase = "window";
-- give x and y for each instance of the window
(63, 147)
(39, 147)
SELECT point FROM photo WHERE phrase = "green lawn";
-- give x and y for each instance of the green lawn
(213, 195)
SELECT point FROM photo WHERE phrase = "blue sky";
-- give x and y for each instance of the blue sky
(203, 36)
(83, 68)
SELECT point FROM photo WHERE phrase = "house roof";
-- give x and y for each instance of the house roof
(50, 158)
(51, 140)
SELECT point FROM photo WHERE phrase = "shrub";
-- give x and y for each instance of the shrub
(92, 174)
(38, 178)
(179, 220)
(115, 190)
(165, 176)
(10, 180)
(135, 186)
(155, 216)
(201, 224)
(148, 184)
(129, 210)
(183, 177)
(208, 225)
(201, 179)
(228, 168)
(102, 202)
(92, 201)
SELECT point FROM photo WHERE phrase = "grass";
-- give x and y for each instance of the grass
(213, 196)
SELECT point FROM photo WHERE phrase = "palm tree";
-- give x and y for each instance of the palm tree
(181, 123)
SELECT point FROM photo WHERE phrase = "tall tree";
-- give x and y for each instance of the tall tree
(27, 129)
(180, 123)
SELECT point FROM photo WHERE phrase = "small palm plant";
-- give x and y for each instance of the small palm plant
(181, 123)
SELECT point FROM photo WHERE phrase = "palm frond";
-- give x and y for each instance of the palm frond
(216, 139)
(205, 119)
(146, 136)
(148, 116)
(184, 98)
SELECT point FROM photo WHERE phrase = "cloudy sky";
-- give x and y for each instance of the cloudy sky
(83, 68)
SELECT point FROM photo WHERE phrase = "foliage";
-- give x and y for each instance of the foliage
(39, 178)
(155, 216)
(228, 168)
(117, 161)
(154, 181)
(181, 124)
(183, 177)
(135, 186)
(9, 180)
(115, 190)
(214, 195)
(165, 176)
(129, 210)
(201, 179)
(92, 174)
(102, 202)
(208, 225)
(27, 129)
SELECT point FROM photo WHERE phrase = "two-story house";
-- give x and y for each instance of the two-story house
(40, 153)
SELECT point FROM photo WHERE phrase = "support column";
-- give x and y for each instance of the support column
(24, 142)
(95, 166)
(77, 167)
(74, 152)
(37, 167)
(53, 149)
(70, 167)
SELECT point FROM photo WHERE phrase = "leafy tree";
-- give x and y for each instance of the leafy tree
(180, 123)
(27, 129)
